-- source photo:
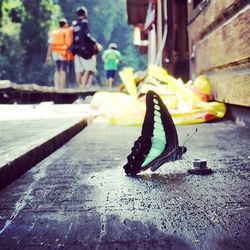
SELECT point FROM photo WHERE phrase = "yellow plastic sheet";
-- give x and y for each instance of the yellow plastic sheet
(187, 103)
(128, 80)
(204, 112)
(118, 108)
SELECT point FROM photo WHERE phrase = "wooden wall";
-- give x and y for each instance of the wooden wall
(176, 51)
(219, 44)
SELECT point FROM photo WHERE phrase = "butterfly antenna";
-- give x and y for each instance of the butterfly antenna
(188, 159)
(190, 136)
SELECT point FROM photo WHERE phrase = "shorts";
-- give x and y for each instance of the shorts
(82, 64)
(110, 74)
(60, 61)
(62, 65)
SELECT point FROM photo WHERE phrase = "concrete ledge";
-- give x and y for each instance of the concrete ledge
(14, 169)
(30, 133)
(239, 114)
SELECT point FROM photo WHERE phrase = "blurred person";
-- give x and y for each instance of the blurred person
(58, 51)
(71, 68)
(111, 58)
(84, 48)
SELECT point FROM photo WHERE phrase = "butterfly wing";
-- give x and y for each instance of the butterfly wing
(158, 142)
(164, 135)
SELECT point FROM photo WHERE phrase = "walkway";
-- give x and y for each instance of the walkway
(80, 198)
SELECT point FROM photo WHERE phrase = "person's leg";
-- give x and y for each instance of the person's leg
(62, 79)
(78, 70)
(90, 78)
(90, 69)
(71, 74)
(110, 76)
(78, 78)
(110, 82)
(57, 74)
(57, 79)
(107, 77)
(63, 73)
(84, 79)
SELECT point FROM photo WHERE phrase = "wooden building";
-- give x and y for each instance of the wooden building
(194, 37)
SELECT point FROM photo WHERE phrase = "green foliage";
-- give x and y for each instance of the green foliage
(33, 38)
(23, 39)
(10, 60)
(24, 29)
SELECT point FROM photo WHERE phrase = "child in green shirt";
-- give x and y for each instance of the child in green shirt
(111, 58)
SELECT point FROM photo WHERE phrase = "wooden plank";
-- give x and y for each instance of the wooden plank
(219, 37)
(231, 86)
(212, 14)
(33, 93)
(226, 45)
(137, 11)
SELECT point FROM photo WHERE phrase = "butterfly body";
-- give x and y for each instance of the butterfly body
(158, 142)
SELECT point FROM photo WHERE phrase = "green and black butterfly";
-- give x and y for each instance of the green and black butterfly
(158, 142)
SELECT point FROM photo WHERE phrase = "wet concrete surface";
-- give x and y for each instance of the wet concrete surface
(29, 133)
(80, 198)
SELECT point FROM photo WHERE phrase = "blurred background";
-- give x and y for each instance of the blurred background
(25, 27)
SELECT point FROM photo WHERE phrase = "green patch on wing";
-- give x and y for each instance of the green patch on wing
(159, 137)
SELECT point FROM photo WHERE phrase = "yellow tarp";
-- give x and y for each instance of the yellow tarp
(187, 103)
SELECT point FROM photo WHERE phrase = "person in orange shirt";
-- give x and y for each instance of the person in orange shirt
(58, 51)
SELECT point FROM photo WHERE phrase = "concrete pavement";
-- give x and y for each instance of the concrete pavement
(80, 198)
(29, 133)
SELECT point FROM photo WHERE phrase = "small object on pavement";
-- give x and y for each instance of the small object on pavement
(200, 167)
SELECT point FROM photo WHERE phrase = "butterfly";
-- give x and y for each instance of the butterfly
(158, 142)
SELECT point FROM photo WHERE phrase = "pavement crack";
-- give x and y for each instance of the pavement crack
(20, 204)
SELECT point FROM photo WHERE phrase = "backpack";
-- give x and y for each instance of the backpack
(88, 48)
(84, 44)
